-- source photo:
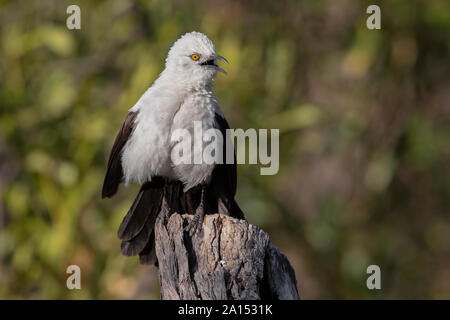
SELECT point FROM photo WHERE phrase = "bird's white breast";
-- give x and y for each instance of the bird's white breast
(161, 111)
(199, 107)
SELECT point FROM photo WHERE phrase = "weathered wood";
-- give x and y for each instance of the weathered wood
(228, 259)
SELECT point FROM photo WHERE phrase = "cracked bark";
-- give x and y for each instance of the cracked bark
(229, 259)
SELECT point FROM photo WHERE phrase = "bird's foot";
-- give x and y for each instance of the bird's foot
(165, 210)
(196, 222)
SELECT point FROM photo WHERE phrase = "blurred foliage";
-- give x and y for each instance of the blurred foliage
(364, 144)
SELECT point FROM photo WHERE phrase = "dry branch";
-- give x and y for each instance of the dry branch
(229, 259)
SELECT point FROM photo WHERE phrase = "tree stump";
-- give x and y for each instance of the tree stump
(228, 259)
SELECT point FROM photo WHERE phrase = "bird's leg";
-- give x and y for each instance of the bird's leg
(197, 221)
(165, 209)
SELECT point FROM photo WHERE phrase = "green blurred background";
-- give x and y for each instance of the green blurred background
(364, 138)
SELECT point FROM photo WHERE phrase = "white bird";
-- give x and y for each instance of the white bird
(181, 96)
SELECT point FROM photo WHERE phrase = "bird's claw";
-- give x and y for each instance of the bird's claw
(196, 222)
(165, 210)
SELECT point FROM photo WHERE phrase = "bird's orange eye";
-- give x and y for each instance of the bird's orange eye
(195, 57)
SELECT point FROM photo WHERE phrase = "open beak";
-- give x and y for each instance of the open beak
(218, 57)
(212, 62)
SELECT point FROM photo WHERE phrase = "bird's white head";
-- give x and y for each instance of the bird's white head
(193, 58)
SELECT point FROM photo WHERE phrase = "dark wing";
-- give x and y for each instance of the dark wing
(227, 172)
(114, 174)
(224, 177)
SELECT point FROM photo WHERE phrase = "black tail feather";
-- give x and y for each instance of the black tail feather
(235, 210)
(230, 208)
(137, 244)
(146, 205)
(148, 255)
(137, 227)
